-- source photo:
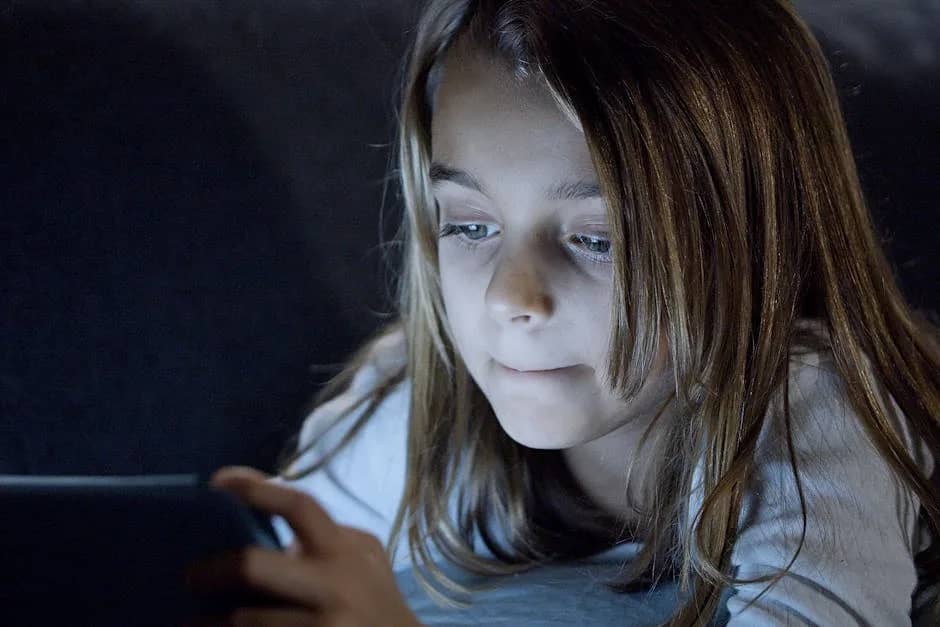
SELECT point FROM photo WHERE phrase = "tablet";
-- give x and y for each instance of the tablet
(111, 550)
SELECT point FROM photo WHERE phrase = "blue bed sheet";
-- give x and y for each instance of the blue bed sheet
(555, 595)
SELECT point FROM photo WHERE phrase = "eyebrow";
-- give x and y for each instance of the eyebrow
(565, 190)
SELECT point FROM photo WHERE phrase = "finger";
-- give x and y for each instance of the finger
(281, 576)
(313, 527)
(222, 474)
(366, 542)
(260, 617)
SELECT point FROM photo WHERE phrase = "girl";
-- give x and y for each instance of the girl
(642, 305)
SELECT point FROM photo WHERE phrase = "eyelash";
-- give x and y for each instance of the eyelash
(449, 229)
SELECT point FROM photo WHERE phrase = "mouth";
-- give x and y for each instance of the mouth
(535, 370)
(534, 373)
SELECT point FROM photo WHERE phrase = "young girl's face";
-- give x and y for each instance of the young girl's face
(525, 262)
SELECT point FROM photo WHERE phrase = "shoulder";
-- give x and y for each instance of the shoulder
(856, 564)
(826, 431)
(361, 486)
(386, 356)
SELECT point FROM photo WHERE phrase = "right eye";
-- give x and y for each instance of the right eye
(472, 232)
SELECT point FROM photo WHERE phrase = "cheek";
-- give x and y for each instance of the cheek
(462, 291)
(453, 276)
(592, 304)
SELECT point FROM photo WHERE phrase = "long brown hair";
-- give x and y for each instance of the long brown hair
(736, 213)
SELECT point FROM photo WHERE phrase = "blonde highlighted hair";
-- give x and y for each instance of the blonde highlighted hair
(736, 213)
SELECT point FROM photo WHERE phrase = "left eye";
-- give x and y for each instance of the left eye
(592, 243)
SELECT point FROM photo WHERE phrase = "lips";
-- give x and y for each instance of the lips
(508, 365)
(532, 371)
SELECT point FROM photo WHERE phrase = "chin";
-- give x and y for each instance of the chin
(541, 431)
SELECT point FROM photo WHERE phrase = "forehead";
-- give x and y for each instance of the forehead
(482, 109)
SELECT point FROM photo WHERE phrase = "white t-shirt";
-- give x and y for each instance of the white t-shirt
(856, 565)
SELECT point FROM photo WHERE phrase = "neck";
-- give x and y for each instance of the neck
(601, 466)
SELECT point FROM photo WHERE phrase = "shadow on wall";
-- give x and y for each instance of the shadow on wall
(159, 306)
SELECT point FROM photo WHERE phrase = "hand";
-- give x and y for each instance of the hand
(332, 575)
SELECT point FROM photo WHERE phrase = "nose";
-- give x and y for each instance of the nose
(518, 293)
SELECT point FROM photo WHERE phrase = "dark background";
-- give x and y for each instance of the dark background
(190, 195)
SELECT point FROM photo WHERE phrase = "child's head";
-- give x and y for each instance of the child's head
(651, 200)
(525, 257)
(623, 192)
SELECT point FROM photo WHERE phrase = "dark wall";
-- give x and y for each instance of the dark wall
(885, 56)
(189, 200)
(189, 212)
